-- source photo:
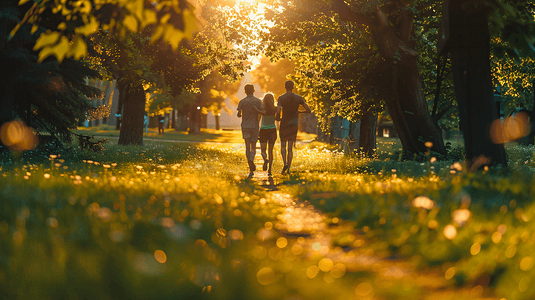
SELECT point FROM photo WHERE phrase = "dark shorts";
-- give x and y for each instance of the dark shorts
(288, 132)
(268, 135)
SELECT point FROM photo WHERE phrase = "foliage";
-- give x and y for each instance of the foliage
(171, 21)
(213, 90)
(272, 75)
(57, 99)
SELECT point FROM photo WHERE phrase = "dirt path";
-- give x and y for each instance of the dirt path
(377, 277)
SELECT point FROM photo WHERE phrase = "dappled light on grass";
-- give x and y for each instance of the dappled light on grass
(179, 217)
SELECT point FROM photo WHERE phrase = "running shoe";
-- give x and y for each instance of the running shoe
(284, 169)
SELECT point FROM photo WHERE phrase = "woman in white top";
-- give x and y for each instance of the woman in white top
(268, 131)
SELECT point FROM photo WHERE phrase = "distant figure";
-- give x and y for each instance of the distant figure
(268, 131)
(518, 109)
(161, 121)
(521, 116)
(248, 110)
(288, 105)
(146, 122)
(119, 120)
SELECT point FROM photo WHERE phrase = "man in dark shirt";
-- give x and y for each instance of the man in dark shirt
(288, 105)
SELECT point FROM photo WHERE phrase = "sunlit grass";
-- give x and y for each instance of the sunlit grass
(180, 220)
(206, 135)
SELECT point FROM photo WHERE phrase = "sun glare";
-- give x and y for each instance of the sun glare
(260, 24)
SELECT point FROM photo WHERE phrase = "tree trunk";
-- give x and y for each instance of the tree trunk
(217, 126)
(6, 107)
(123, 90)
(354, 136)
(336, 132)
(531, 136)
(408, 108)
(132, 119)
(182, 123)
(407, 104)
(173, 118)
(470, 54)
(368, 129)
(194, 121)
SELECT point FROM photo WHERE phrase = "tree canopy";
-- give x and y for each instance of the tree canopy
(58, 98)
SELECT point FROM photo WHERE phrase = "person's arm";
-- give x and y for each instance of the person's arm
(307, 108)
(239, 109)
(278, 113)
(260, 111)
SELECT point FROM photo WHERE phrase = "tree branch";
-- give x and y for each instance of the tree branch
(346, 14)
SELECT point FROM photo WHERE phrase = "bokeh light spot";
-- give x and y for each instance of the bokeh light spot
(160, 256)
(476, 247)
(450, 232)
(338, 270)
(526, 263)
(312, 271)
(325, 264)
(282, 242)
(265, 276)
(449, 273)
(364, 289)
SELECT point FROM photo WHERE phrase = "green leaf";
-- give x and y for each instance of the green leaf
(59, 50)
(78, 48)
(89, 28)
(46, 38)
(130, 23)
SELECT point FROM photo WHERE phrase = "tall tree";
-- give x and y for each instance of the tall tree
(391, 25)
(467, 37)
(49, 96)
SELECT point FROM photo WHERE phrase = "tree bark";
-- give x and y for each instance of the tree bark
(217, 118)
(336, 131)
(132, 118)
(354, 136)
(123, 87)
(470, 53)
(194, 121)
(407, 104)
(409, 112)
(368, 129)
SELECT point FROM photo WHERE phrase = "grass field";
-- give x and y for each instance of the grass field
(182, 221)
(207, 135)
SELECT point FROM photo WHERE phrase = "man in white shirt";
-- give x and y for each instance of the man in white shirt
(249, 124)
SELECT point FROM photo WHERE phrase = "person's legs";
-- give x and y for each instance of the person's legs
(270, 153)
(263, 147)
(290, 154)
(254, 140)
(283, 154)
(248, 155)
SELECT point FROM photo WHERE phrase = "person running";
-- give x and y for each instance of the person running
(268, 131)
(248, 110)
(161, 122)
(146, 122)
(288, 105)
